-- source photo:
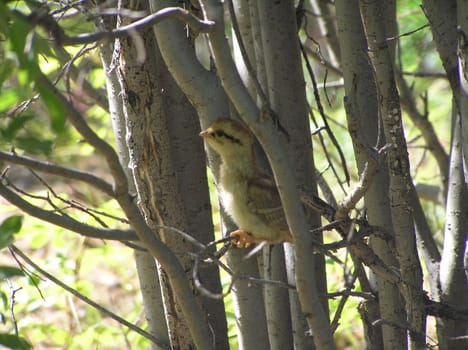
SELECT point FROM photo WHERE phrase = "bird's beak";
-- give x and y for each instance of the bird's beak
(205, 133)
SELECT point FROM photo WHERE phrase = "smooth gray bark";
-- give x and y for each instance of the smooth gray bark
(207, 96)
(276, 152)
(399, 169)
(363, 124)
(145, 264)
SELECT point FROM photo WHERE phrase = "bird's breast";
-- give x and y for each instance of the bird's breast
(234, 196)
(235, 199)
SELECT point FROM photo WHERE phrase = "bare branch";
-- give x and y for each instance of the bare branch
(75, 117)
(197, 25)
(65, 221)
(51, 168)
(349, 202)
(191, 310)
(339, 310)
(427, 25)
(324, 119)
(421, 121)
(100, 308)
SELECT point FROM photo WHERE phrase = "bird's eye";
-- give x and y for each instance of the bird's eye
(222, 134)
(219, 133)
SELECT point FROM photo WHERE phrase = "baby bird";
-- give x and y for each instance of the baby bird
(248, 195)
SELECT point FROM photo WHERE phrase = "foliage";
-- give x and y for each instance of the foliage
(34, 123)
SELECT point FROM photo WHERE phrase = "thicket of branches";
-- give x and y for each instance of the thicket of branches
(377, 130)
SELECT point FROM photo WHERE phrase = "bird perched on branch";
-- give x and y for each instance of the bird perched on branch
(249, 195)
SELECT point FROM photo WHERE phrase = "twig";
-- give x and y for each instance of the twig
(65, 221)
(248, 65)
(74, 292)
(58, 34)
(427, 25)
(339, 310)
(12, 306)
(436, 75)
(322, 114)
(363, 295)
(51, 168)
(365, 180)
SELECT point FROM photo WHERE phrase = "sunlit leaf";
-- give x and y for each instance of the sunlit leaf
(22, 43)
(12, 341)
(8, 100)
(8, 228)
(4, 299)
(10, 271)
(16, 124)
(7, 68)
(34, 145)
(55, 107)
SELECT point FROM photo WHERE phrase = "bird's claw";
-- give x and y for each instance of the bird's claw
(242, 238)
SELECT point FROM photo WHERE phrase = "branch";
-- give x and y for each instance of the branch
(421, 121)
(265, 130)
(324, 119)
(349, 202)
(75, 117)
(248, 64)
(101, 309)
(445, 311)
(168, 260)
(51, 168)
(58, 34)
(65, 222)
(95, 95)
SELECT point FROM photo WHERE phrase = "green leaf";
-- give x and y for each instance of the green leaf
(9, 99)
(8, 228)
(34, 280)
(7, 68)
(27, 44)
(18, 36)
(34, 145)
(10, 271)
(15, 125)
(4, 16)
(55, 107)
(12, 341)
(4, 299)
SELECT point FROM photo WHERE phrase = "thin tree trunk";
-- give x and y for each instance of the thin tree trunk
(445, 17)
(453, 277)
(204, 91)
(275, 149)
(158, 137)
(284, 85)
(400, 178)
(363, 123)
(152, 167)
(145, 263)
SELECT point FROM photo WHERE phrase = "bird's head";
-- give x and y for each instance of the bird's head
(230, 139)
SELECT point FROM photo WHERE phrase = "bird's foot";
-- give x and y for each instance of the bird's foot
(242, 238)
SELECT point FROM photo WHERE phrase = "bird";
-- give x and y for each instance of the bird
(248, 194)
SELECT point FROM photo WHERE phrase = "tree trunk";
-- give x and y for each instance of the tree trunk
(146, 266)
(161, 127)
(363, 124)
(400, 177)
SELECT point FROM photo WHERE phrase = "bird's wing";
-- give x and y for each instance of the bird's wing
(318, 205)
(264, 200)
